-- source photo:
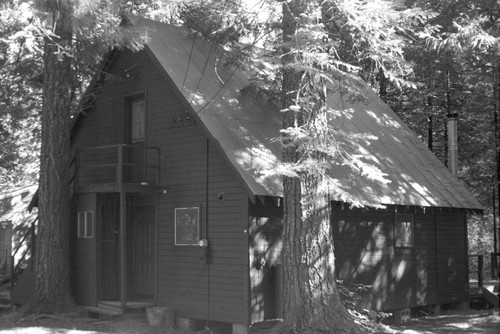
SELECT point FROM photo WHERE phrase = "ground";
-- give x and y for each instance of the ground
(457, 322)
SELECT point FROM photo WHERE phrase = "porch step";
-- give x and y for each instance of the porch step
(490, 296)
(99, 312)
(131, 305)
(113, 310)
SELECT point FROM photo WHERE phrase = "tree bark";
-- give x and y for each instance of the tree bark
(52, 285)
(496, 112)
(311, 299)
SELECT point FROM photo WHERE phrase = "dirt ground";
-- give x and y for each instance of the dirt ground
(457, 322)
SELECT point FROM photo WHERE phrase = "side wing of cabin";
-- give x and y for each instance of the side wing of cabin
(407, 256)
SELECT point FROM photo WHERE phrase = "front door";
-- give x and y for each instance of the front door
(142, 251)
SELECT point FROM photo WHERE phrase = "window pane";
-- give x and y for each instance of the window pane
(187, 226)
(85, 224)
(89, 224)
(403, 230)
(138, 119)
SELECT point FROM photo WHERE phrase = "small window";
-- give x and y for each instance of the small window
(85, 224)
(187, 226)
(138, 120)
(403, 230)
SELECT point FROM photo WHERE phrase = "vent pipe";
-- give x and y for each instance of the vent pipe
(453, 143)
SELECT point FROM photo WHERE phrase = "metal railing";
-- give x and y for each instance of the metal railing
(116, 164)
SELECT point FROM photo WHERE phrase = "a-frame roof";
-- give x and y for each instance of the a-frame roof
(247, 129)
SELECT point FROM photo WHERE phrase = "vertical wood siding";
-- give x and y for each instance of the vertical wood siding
(195, 288)
(83, 255)
(432, 271)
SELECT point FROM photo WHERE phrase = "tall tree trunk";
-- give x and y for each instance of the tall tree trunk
(312, 301)
(52, 284)
(383, 81)
(496, 112)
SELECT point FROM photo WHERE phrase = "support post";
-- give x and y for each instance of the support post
(480, 271)
(119, 168)
(123, 249)
(452, 143)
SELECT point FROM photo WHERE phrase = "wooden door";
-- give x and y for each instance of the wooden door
(108, 217)
(142, 256)
(5, 248)
(451, 255)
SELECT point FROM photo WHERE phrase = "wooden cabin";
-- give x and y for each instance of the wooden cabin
(173, 207)
(15, 222)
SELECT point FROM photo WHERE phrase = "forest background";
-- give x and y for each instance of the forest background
(449, 48)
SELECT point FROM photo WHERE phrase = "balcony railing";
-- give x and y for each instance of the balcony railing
(115, 166)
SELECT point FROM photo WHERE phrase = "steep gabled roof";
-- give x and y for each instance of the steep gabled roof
(247, 129)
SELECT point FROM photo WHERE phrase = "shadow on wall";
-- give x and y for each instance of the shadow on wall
(265, 268)
(365, 254)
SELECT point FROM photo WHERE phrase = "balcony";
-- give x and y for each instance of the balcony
(116, 168)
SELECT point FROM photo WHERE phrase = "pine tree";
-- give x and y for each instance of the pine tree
(52, 284)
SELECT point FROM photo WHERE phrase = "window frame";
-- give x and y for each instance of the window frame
(85, 228)
(177, 223)
(404, 236)
(135, 124)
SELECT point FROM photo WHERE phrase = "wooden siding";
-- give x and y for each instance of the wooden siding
(265, 266)
(432, 271)
(83, 255)
(194, 286)
(451, 258)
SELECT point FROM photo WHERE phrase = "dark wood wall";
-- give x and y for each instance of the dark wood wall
(83, 256)
(194, 173)
(432, 271)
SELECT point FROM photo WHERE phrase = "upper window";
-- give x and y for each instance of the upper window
(138, 120)
(403, 230)
(85, 224)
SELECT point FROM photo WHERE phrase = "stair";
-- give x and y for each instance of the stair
(113, 310)
(102, 313)
(490, 295)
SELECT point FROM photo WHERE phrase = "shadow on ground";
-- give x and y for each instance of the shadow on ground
(457, 322)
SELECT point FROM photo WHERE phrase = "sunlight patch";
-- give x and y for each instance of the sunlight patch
(461, 325)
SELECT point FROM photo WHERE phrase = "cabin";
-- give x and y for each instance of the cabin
(17, 228)
(173, 205)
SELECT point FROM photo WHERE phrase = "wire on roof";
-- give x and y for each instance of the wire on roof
(223, 13)
(257, 38)
(189, 62)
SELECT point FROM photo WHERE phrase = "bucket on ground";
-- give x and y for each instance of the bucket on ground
(160, 316)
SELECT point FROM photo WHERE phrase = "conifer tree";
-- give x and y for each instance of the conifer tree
(52, 284)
